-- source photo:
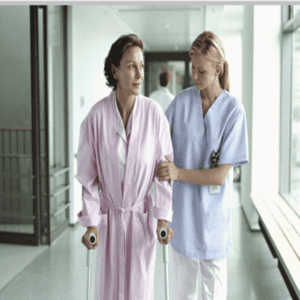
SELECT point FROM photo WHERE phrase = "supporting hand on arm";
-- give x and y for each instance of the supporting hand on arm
(167, 170)
(214, 176)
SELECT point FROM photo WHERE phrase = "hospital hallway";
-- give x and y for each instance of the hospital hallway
(59, 272)
(52, 76)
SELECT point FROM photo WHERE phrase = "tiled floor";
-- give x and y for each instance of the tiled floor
(60, 272)
(15, 258)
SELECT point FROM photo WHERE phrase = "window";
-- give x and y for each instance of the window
(296, 9)
(290, 109)
(295, 119)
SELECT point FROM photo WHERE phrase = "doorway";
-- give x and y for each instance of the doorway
(34, 184)
(176, 63)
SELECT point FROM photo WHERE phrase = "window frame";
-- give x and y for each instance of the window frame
(290, 24)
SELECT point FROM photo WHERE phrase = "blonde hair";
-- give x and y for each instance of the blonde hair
(211, 46)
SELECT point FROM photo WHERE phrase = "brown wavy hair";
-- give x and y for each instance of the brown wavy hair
(115, 55)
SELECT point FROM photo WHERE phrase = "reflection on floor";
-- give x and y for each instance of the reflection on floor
(60, 272)
(14, 259)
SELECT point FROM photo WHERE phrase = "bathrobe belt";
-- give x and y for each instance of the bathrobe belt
(123, 210)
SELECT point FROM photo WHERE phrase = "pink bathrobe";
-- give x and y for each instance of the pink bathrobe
(126, 223)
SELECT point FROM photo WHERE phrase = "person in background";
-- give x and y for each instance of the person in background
(209, 135)
(122, 140)
(163, 95)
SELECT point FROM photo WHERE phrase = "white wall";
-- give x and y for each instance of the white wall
(266, 97)
(261, 98)
(233, 52)
(93, 30)
(213, 18)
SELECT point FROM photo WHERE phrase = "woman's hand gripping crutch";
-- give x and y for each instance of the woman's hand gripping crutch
(165, 234)
(90, 240)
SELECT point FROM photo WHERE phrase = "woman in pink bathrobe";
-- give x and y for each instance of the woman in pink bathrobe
(122, 140)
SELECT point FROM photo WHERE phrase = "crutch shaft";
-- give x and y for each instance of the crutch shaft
(89, 259)
(89, 284)
(166, 254)
(166, 281)
(163, 234)
(92, 240)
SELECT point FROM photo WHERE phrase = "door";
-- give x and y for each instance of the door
(55, 184)
(34, 159)
(19, 187)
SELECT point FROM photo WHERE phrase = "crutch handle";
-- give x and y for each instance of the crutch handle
(163, 235)
(92, 240)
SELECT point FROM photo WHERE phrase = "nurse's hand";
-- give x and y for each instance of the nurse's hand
(85, 238)
(170, 233)
(167, 170)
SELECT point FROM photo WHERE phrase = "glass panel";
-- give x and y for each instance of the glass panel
(296, 9)
(176, 70)
(295, 130)
(16, 190)
(191, 81)
(58, 156)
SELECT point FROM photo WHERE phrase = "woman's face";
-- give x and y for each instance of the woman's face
(204, 71)
(130, 73)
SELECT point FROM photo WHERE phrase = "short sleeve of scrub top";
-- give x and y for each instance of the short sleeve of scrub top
(202, 221)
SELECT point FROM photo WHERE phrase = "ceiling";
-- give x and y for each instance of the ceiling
(175, 27)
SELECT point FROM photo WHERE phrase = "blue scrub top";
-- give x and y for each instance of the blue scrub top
(202, 221)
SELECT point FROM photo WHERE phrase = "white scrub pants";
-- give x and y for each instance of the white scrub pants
(213, 277)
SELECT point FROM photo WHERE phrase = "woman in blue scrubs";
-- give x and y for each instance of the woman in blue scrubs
(209, 135)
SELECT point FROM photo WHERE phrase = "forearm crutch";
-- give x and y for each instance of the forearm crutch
(163, 235)
(92, 240)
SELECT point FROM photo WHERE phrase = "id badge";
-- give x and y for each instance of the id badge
(214, 157)
(214, 189)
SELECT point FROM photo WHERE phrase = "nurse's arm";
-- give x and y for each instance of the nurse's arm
(214, 176)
